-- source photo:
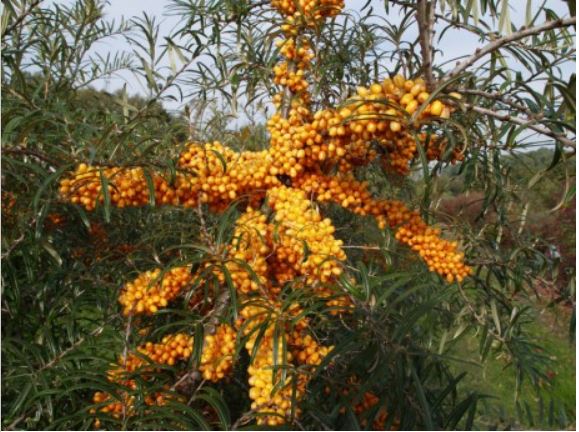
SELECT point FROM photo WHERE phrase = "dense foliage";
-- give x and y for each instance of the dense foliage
(373, 332)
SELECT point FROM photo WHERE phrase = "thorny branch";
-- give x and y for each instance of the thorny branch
(209, 327)
(34, 153)
(498, 97)
(528, 123)
(499, 43)
(75, 345)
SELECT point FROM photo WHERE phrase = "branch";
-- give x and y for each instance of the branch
(12, 425)
(425, 20)
(528, 123)
(17, 241)
(287, 93)
(13, 245)
(498, 43)
(60, 356)
(209, 327)
(457, 24)
(498, 97)
(213, 316)
(31, 152)
(21, 18)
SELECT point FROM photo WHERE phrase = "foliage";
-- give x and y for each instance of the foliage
(550, 211)
(63, 267)
(555, 403)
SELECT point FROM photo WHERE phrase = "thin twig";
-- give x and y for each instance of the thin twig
(496, 96)
(213, 317)
(34, 153)
(13, 245)
(480, 319)
(12, 425)
(243, 419)
(75, 345)
(528, 123)
(204, 231)
(499, 43)
(457, 24)
(193, 376)
(287, 93)
(376, 248)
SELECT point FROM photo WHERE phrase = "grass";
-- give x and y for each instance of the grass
(550, 407)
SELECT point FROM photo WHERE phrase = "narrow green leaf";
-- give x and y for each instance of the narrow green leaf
(52, 252)
(426, 416)
(496, 316)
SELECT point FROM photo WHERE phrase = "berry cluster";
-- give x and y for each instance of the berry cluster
(272, 390)
(250, 247)
(365, 405)
(217, 354)
(306, 241)
(312, 11)
(218, 175)
(153, 290)
(440, 255)
(170, 350)
(306, 350)
(115, 407)
(126, 187)
(384, 113)
(369, 401)
(216, 363)
(297, 245)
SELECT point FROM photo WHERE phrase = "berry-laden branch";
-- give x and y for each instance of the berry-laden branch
(311, 155)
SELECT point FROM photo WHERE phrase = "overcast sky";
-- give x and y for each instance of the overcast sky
(453, 45)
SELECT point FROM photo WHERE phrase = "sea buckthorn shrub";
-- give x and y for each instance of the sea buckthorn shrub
(178, 271)
(291, 243)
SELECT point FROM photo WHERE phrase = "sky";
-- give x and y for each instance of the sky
(459, 43)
